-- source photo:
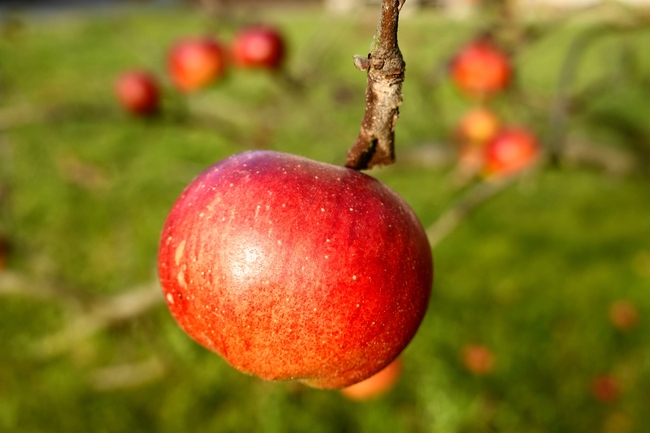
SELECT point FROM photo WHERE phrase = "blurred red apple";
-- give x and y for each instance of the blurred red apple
(512, 150)
(376, 385)
(623, 315)
(258, 47)
(478, 359)
(605, 388)
(292, 269)
(481, 69)
(196, 62)
(478, 126)
(138, 92)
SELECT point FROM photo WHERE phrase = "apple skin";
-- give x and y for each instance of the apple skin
(138, 92)
(481, 69)
(258, 47)
(193, 63)
(292, 269)
(377, 385)
(511, 151)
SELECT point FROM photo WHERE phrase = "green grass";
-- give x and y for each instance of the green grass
(531, 274)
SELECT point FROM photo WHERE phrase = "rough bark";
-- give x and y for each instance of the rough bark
(375, 144)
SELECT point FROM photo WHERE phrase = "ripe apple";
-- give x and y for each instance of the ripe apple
(258, 47)
(138, 92)
(623, 315)
(478, 359)
(512, 150)
(292, 269)
(194, 63)
(605, 388)
(478, 126)
(481, 69)
(376, 385)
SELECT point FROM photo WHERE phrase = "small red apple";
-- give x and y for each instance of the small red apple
(138, 92)
(478, 359)
(481, 69)
(605, 388)
(259, 47)
(512, 150)
(194, 63)
(292, 269)
(376, 385)
(623, 315)
(478, 126)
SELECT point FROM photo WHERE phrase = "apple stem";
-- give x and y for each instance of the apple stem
(385, 66)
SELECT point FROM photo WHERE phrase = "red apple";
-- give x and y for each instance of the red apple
(623, 315)
(196, 62)
(376, 385)
(138, 92)
(478, 359)
(481, 69)
(258, 47)
(512, 150)
(605, 388)
(478, 126)
(292, 269)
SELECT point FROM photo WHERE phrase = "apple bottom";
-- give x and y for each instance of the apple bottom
(341, 336)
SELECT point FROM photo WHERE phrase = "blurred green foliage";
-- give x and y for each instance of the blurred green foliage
(531, 274)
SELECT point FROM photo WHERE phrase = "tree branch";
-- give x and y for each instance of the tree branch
(449, 220)
(385, 73)
(123, 376)
(99, 316)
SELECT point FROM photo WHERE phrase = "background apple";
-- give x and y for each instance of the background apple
(295, 269)
(511, 151)
(478, 359)
(478, 126)
(196, 62)
(258, 47)
(138, 92)
(623, 315)
(605, 388)
(481, 69)
(376, 385)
